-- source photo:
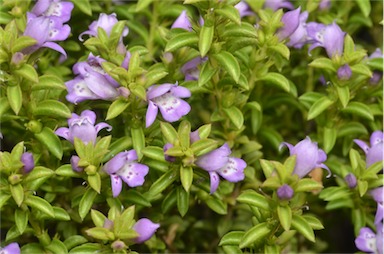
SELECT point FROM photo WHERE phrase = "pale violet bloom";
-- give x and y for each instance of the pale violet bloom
(308, 157)
(374, 153)
(370, 242)
(190, 69)
(299, 37)
(57, 8)
(93, 83)
(218, 162)
(325, 5)
(12, 248)
(75, 163)
(351, 180)
(285, 192)
(166, 97)
(183, 22)
(377, 194)
(291, 21)
(106, 22)
(46, 30)
(344, 72)
(377, 75)
(330, 37)
(244, 9)
(124, 167)
(145, 228)
(28, 162)
(278, 4)
(82, 127)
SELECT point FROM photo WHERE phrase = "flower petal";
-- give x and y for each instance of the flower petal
(214, 181)
(151, 114)
(117, 185)
(158, 90)
(215, 159)
(233, 171)
(133, 173)
(145, 228)
(366, 240)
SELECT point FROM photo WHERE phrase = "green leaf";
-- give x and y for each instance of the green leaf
(21, 220)
(229, 12)
(4, 106)
(15, 98)
(252, 198)
(361, 69)
(376, 63)
(205, 38)
(84, 6)
(95, 182)
(203, 146)
(360, 109)
(49, 139)
(229, 249)
(285, 237)
(307, 184)
(142, 4)
(116, 108)
(216, 205)
(344, 95)
(362, 186)
(98, 218)
(329, 139)
(61, 214)
(66, 170)
(184, 132)
(254, 235)
(100, 233)
(323, 63)
(182, 201)
(49, 81)
(186, 177)
(162, 183)
(169, 133)
(181, 40)
(138, 140)
(37, 177)
(235, 116)
(154, 74)
(303, 227)
(28, 72)
(229, 63)
(314, 222)
(3, 199)
(365, 7)
(52, 108)
(22, 42)
(206, 73)
(267, 167)
(352, 129)
(87, 248)
(154, 152)
(17, 151)
(121, 222)
(282, 49)
(332, 193)
(117, 146)
(285, 216)
(86, 202)
(277, 79)
(319, 106)
(232, 238)
(41, 205)
(74, 240)
(17, 192)
(137, 198)
(169, 201)
(57, 246)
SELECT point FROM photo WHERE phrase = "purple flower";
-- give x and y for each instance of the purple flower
(377, 194)
(379, 213)
(183, 22)
(344, 72)
(308, 157)
(190, 69)
(168, 157)
(351, 180)
(299, 37)
(285, 192)
(28, 161)
(291, 21)
(106, 22)
(218, 162)
(12, 248)
(370, 242)
(53, 8)
(278, 4)
(330, 37)
(146, 229)
(124, 167)
(75, 163)
(82, 127)
(325, 5)
(375, 152)
(93, 83)
(45, 30)
(377, 75)
(244, 9)
(166, 97)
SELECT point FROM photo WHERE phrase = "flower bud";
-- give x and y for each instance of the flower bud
(285, 192)
(15, 179)
(118, 245)
(34, 126)
(344, 72)
(75, 164)
(351, 180)
(28, 161)
(145, 228)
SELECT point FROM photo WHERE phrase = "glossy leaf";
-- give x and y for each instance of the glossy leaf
(303, 227)
(181, 40)
(235, 116)
(186, 177)
(116, 108)
(277, 79)
(15, 98)
(319, 107)
(255, 234)
(205, 38)
(52, 108)
(21, 220)
(40, 204)
(226, 60)
(182, 201)
(86, 202)
(232, 238)
(250, 197)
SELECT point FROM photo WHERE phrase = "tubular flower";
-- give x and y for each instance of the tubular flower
(278, 4)
(308, 157)
(146, 229)
(218, 162)
(291, 21)
(12, 248)
(330, 37)
(45, 30)
(55, 8)
(92, 82)
(299, 37)
(183, 22)
(82, 127)
(166, 97)
(124, 167)
(375, 152)
(244, 9)
(190, 69)
(28, 161)
(370, 242)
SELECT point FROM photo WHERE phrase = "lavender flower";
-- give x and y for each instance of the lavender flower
(124, 167)
(166, 97)
(377, 75)
(368, 241)
(75, 163)
(278, 4)
(218, 162)
(190, 69)
(183, 22)
(351, 180)
(344, 72)
(53, 8)
(146, 229)
(330, 37)
(106, 22)
(291, 21)
(244, 9)
(28, 161)
(82, 127)
(45, 30)
(299, 37)
(308, 157)
(375, 152)
(12, 248)
(325, 5)
(93, 83)
(377, 194)
(285, 192)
